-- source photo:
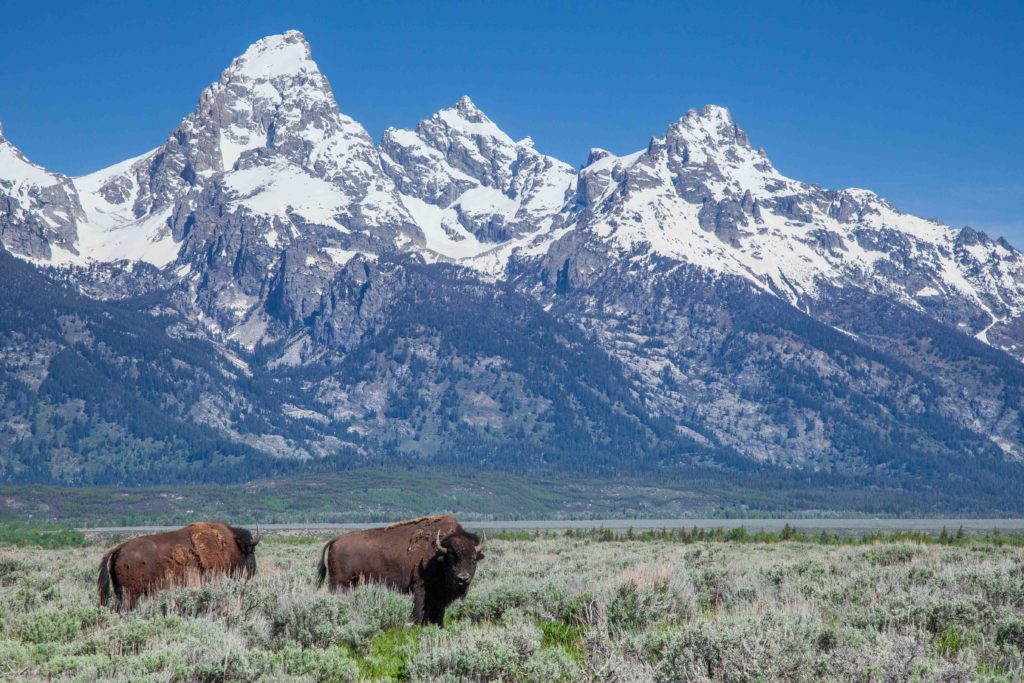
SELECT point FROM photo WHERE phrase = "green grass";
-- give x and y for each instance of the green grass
(389, 654)
(566, 636)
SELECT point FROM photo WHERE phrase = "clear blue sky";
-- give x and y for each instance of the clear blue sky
(923, 103)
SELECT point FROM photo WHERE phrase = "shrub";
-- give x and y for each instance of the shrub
(551, 664)
(767, 649)
(1011, 632)
(49, 626)
(330, 665)
(493, 653)
(888, 555)
(351, 618)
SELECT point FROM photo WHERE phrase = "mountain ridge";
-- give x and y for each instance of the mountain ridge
(270, 228)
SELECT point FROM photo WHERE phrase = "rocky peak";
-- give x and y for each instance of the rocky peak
(711, 125)
(272, 119)
(490, 189)
(595, 155)
(273, 96)
(471, 142)
(467, 109)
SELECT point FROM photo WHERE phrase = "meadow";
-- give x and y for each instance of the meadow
(729, 606)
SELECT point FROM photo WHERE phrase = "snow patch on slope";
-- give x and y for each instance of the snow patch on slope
(280, 189)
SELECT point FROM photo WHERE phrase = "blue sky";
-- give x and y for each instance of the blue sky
(921, 102)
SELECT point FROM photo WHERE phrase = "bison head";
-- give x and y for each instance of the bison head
(459, 552)
(247, 546)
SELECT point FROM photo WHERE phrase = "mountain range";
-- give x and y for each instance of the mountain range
(268, 291)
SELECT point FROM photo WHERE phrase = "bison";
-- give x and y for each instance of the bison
(194, 554)
(432, 558)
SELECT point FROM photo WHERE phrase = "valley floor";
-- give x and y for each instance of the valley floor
(546, 609)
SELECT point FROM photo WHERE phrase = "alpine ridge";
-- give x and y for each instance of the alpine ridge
(454, 297)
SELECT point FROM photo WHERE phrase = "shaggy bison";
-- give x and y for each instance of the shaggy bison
(432, 558)
(194, 554)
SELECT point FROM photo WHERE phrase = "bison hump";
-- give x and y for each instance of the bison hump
(210, 546)
(426, 520)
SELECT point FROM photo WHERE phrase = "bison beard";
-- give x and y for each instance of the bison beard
(194, 554)
(432, 558)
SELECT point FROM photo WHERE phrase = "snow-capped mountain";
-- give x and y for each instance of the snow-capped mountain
(700, 194)
(453, 288)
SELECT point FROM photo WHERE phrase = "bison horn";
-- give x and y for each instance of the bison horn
(258, 535)
(437, 544)
(482, 543)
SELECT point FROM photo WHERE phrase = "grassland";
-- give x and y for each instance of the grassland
(370, 495)
(729, 607)
(362, 496)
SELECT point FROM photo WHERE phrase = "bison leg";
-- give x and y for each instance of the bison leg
(126, 603)
(435, 615)
(419, 607)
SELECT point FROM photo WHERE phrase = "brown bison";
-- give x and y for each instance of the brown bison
(194, 554)
(432, 558)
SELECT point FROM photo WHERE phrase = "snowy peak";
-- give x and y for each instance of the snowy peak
(712, 125)
(287, 54)
(273, 96)
(271, 117)
(472, 187)
(467, 109)
(464, 120)
(266, 164)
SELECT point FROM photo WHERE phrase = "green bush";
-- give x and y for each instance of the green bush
(50, 536)
(390, 653)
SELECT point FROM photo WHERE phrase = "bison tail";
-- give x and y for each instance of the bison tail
(103, 583)
(321, 570)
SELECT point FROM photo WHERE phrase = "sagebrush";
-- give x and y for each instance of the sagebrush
(545, 609)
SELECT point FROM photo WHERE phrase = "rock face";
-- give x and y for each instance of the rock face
(38, 209)
(457, 297)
